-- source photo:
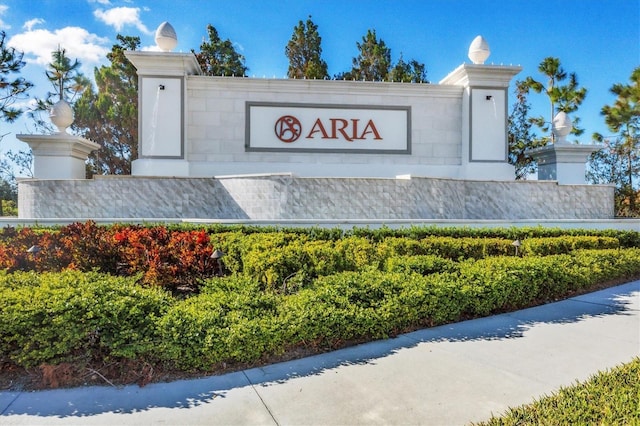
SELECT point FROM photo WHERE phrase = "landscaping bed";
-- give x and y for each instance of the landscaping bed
(130, 304)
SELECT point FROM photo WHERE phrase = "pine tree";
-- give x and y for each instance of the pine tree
(68, 83)
(374, 61)
(10, 90)
(566, 98)
(619, 163)
(408, 72)
(218, 57)
(520, 136)
(305, 52)
(109, 116)
(374, 64)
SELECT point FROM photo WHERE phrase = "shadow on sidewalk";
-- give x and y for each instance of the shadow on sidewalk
(90, 401)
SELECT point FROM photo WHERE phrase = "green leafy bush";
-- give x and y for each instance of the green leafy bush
(421, 264)
(56, 317)
(466, 248)
(283, 289)
(341, 307)
(566, 244)
(231, 321)
(503, 283)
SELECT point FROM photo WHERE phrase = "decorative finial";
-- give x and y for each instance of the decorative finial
(166, 37)
(61, 115)
(479, 50)
(562, 126)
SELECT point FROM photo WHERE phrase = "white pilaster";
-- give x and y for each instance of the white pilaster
(484, 119)
(564, 163)
(161, 111)
(59, 156)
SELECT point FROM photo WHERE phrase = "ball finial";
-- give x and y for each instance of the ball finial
(562, 126)
(166, 37)
(61, 115)
(479, 50)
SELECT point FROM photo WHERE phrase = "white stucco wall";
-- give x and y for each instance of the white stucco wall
(207, 121)
(216, 126)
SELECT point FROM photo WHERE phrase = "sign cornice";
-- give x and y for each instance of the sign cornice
(326, 86)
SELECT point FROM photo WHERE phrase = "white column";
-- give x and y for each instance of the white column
(161, 106)
(484, 115)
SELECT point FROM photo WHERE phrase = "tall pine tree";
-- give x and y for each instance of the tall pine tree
(566, 98)
(374, 60)
(68, 84)
(305, 52)
(11, 89)
(373, 63)
(109, 116)
(218, 57)
(619, 162)
(520, 135)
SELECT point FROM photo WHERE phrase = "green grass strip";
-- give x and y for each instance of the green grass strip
(608, 398)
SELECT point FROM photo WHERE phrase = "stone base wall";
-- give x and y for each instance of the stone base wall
(284, 197)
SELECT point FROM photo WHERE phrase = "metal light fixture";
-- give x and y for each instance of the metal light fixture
(216, 256)
(34, 249)
(516, 244)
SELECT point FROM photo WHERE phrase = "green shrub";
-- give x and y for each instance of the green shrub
(423, 265)
(56, 317)
(396, 246)
(466, 248)
(599, 266)
(358, 253)
(566, 244)
(502, 283)
(324, 258)
(427, 301)
(231, 321)
(345, 306)
(273, 266)
(368, 305)
(242, 251)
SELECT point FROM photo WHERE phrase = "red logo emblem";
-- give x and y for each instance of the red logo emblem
(288, 128)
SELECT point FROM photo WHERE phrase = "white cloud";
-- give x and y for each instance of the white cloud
(152, 48)
(31, 23)
(3, 9)
(118, 17)
(102, 2)
(38, 45)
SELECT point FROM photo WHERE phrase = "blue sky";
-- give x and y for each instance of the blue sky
(597, 39)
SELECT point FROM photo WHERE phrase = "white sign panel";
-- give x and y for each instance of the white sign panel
(315, 128)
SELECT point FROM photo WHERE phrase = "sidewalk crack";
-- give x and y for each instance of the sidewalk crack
(10, 404)
(261, 400)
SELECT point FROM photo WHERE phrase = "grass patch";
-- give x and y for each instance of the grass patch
(608, 398)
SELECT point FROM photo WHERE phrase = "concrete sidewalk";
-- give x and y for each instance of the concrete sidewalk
(449, 375)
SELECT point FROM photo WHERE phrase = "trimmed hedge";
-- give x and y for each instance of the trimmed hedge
(100, 291)
(177, 258)
(566, 244)
(67, 316)
(75, 316)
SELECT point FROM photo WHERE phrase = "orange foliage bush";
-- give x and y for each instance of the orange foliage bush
(177, 260)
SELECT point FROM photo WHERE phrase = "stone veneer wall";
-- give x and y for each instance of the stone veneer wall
(274, 197)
